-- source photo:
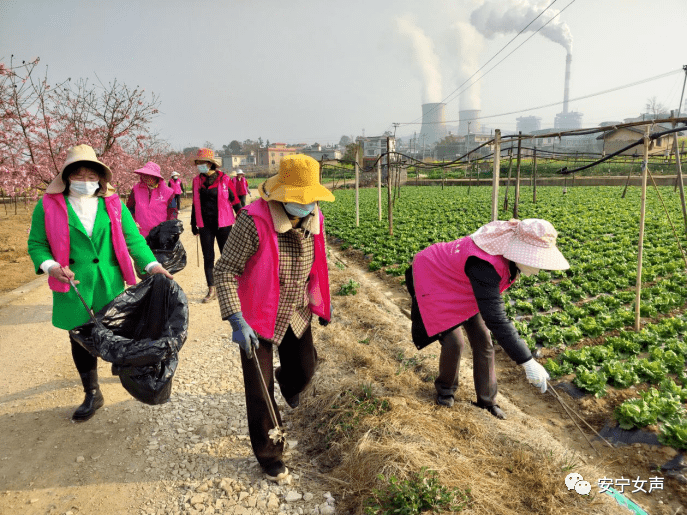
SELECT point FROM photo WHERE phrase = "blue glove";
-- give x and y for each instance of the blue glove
(322, 321)
(243, 334)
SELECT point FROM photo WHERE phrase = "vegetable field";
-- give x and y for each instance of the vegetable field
(583, 317)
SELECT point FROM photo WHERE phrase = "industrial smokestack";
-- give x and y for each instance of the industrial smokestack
(433, 122)
(566, 91)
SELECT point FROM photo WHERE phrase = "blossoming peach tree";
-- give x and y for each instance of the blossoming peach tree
(39, 121)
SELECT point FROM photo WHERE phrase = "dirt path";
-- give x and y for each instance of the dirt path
(192, 455)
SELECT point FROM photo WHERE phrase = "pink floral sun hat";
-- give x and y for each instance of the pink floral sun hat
(530, 242)
(150, 168)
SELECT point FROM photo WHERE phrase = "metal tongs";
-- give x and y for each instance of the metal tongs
(277, 434)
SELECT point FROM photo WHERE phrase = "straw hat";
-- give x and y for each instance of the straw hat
(298, 181)
(530, 242)
(206, 154)
(150, 168)
(232, 174)
(76, 154)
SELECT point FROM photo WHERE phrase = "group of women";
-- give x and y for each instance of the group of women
(272, 276)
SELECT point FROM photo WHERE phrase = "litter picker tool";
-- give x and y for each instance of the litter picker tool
(197, 251)
(78, 294)
(570, 413)
(277, 434)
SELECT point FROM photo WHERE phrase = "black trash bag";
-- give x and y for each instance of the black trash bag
(141, 332)
(163, 240)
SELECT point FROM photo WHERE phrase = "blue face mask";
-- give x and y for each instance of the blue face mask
(203, 168)
(299, 210)
(87, 188)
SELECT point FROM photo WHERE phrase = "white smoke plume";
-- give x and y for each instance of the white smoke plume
(510, 16)
(425, 58)
(463, 45)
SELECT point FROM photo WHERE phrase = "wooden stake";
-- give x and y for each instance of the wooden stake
(496, 176)
(517, 177)
(510, 167)
(642, 214)
(379, 188)
(390, 215)
(680, 182)
(357, 187)
(534, 177)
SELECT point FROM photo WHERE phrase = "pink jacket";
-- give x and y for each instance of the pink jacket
(57, 232)
(224, 210)
(443, 291)
(241, 185)
(151, 207)
(259, 284)
(176, 186)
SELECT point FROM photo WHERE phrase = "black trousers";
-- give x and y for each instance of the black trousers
(83, 359)
(298, 359)
(207, 243)
(178, 200)
(242, 198)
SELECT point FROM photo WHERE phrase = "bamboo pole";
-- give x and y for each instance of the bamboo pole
(510, 167)
(469, 172)
(357, 188)
(379, 188)
(390, 215)
(627, 183)
(496, 176)
(516, 201)
(642, 214)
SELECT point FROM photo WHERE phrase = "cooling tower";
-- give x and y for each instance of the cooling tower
(433, 123)
(468, 121)
(566, 90)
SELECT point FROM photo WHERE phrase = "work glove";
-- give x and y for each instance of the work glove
(536, 374)
(243, 334)
(322, 321)
(194, 230)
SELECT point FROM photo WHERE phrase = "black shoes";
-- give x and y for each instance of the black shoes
(445, 400)
(93, 401)
(494, 409)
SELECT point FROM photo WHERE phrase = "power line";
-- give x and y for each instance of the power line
(583, 97)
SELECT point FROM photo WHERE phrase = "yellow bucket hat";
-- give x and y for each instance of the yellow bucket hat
(298, 181)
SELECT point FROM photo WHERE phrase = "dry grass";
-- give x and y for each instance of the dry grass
(509, 468)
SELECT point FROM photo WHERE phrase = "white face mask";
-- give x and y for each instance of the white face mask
(203, 168)
(299, 210)
(527, 270)
(87, 188)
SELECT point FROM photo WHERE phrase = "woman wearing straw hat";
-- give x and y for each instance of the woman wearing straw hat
(212, 215)
(271, 278)
(459, 283)
(151, 201)
(81, 231)
(241, 185)
(178, 188)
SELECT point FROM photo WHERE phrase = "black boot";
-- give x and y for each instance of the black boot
(94, 397)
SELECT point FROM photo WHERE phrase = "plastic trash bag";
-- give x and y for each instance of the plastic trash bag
(141, 332)
(163, 240)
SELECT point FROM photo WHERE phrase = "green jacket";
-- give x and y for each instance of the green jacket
(91, 259)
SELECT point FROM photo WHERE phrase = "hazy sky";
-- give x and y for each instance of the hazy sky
(307, 70)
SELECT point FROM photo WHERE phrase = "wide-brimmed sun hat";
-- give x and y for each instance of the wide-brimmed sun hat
(530, 242)
(298, 181)
(240, 172)
(150, 168)
(206, 154)
(76, 154)
(175, 174)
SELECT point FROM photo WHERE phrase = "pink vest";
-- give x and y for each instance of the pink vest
(443, 291)
(224, 210)
(176, 186)
(241, 185)
(151, 208)
(259, 284)
(57, 232)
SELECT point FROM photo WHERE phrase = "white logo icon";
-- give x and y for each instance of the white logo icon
(576, 481)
